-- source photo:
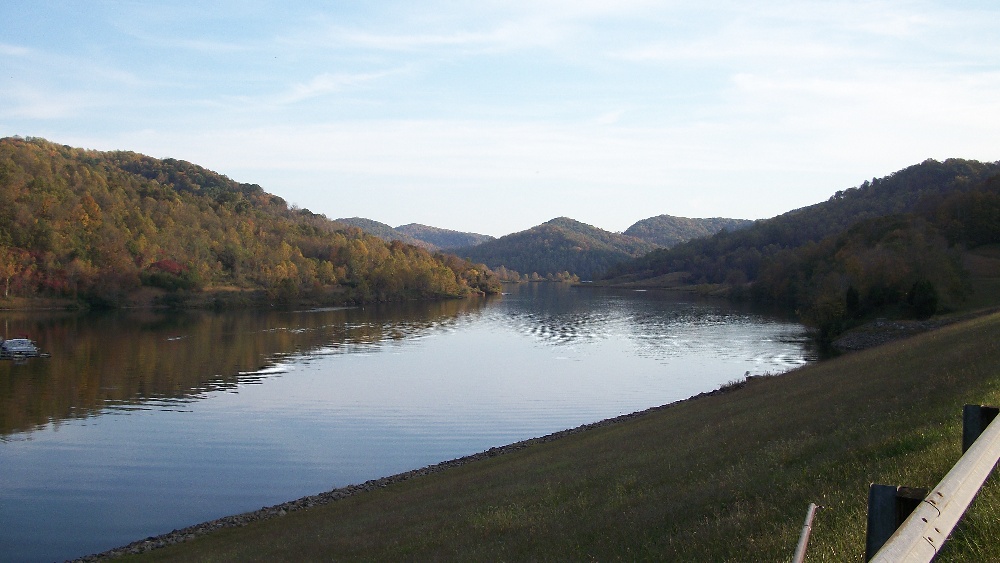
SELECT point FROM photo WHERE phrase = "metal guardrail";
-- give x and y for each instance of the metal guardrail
(800, 550)
(923, 533)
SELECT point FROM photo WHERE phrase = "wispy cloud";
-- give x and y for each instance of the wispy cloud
(327, 83)
(409, 42)
(611, 117)
(504, 36)
(45, 85)
(733, 48)
(173, 41)
(13, 50)
(22, 102)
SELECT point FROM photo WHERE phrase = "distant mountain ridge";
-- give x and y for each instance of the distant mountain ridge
(383, 231)
(442, 238)
(430, 238)
(556, 246)
(667, 230)
(603, 248)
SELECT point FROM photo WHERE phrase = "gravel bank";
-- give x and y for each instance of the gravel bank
(882, 331)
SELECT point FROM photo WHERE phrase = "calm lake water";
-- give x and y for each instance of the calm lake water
(140, 423)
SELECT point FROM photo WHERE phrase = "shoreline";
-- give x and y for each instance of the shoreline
(278, 510)
(884, 332)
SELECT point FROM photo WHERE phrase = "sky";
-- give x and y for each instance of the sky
(495, 116)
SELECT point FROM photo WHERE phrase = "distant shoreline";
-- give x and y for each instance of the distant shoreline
(207, 300)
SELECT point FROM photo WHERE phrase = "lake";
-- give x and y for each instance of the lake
(142, 422)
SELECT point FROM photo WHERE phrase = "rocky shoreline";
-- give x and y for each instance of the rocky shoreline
(191, 532)
(882, 331)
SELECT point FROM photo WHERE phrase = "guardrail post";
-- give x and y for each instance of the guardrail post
(975, 419)
(888, 507)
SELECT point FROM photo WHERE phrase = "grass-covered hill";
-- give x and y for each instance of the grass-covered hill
(725, 477)
(101, 226)
(444, 239)
(889, 246)
(558, 246)
(666, 230)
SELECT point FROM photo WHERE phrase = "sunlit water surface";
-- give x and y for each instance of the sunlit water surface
(137, 425)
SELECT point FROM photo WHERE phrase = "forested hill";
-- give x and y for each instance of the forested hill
(102, 225)
(559, 246)
(383, 231)
(864, 251)
(443, 238)
(431, 238)
(666, 230)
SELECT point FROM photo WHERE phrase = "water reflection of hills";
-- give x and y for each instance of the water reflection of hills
(157, 360)
(559, 314)
(662, 324)
(555, 313)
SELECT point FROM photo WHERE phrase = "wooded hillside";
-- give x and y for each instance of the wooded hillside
(667, 231)
(444, 239)
(431, 238)
(889, 246)
(558, 246)
(383, 231)
(101, 225)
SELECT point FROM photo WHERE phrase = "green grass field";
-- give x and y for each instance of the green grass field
(726, 477)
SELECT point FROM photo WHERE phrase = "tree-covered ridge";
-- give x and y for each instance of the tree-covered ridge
(444, 239)
(559, 246)
(892, 245)
(712, 259)
(384, 231)
(667, 230)
(431, 238)
(101, 225)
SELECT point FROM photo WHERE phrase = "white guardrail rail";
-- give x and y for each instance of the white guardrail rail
(923, 533)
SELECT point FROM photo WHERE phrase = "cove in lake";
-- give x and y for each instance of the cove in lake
(140, 423)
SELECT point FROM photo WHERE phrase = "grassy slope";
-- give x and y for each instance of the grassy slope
(725, 477)
(983, 265)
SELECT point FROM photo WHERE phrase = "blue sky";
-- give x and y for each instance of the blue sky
(493, 117)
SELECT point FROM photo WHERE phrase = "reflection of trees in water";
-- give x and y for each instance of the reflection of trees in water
(557, 328)
(661, 324)
(560, 314)
(114, 359)
(555, 313)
